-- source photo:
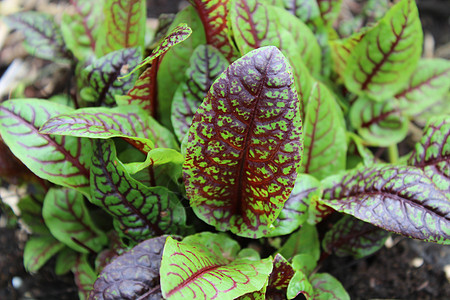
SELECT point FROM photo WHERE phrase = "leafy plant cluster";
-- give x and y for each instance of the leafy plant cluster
(251, 116)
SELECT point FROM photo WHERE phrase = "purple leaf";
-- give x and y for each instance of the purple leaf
(279, 279)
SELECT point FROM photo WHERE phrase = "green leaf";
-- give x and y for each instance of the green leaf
(101, 76)
(378, 123)
(329, 10)
(43, 37)
(381, 63)
(428, 84)
(304, 262)
(30, 208)
(350, 236)
(325, 140)
(61, 160)
(38, 250)
(80, 29)
(84, 276)
(206, 64)
(186, 267)
(123, 27)
(296, 243)
(139, 211)
(65, 261)
(299, 284)
(400, 199)
(326, 287)
(69, 221)
(244, 146)
(295, 210)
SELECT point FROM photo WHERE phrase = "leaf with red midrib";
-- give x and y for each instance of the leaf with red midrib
(244, 146)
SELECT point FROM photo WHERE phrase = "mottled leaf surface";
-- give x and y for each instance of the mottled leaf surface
(133, 275)
(185, 268)
(378, 123)
(381, 63)
(84, 276)
(327, 287)
(295, 210)
(206, 64)
(101, 76)
(38, 250)
(324, 140)
(279, 279)
(400, 199)
(428, 84)
(123, 27)
(350, 236)
(61, 160)
(139, 211)
(43, 37)
(244, 147)
(69, 221)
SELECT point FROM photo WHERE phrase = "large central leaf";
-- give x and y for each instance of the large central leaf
(244, 146)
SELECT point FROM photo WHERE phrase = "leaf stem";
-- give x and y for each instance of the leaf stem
(393, 154)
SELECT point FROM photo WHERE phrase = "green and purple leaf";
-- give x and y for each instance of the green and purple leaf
(329, 10)
(279, 279)
(428, 84)
(101, 77)
(341, 50)
(378, 123)
(381, 63)
(295, 210)
(139, 211)
(325, 142)
(350, 236)
(132, 275)
(68, 219)
(123, 27)
(59, 159)
(206, 64)
(326, 287)
(400, 199)
(43, 37)
(185, 267)
(38, 250)
(299, 284)
(84, 276)
(244, 146)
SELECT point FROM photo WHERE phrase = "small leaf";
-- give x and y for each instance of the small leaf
(386, 56)
(279, 279)
(84, 276)
(65, 261)
(378, 123)
(296, 243)
(400, 199)
(101, 76)
(43, 38)
(61, 160)
(244, 147)
(325, 140)
(38, 250)
(428, 84)
(326, 287)
(133, 275)
(295, 210)
(329, 10)
(299, 284)
(30, 208)
(214, 18)
(206, 64)
(123, 27)
(304, 262)
(185, 267)
(140, 212)
(69, 221)
(350, 236)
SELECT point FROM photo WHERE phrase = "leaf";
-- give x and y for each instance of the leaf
(295, 210)
(123, 27)
(38, 250)
(378, 123)
(304, 262)
(244, 146)
(130, 123)
(327, 287)
(185, 268)
(325, 140)
(30, 208)
(428, 84)
(69, 221)
(62, 160)
(329, 10)
(214, 18)
(400, 199)
(133, 275)
(386, 56)
(341, 49)
(299, 284)
(279, 279)
(139, 211)
(80, 29)
(350, 236)
(432, 153)
(65, 261)
(43, 38)
(296, 243)
(84, 276)
(101, 76)
(206, 64)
